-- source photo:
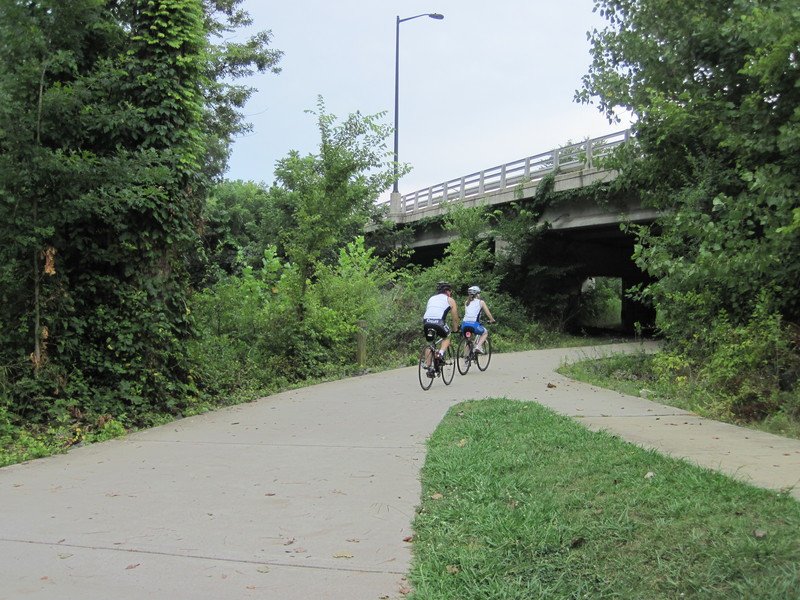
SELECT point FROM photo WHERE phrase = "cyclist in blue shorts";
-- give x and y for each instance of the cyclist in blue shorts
(473, 309)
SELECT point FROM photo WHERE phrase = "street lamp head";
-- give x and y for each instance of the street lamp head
(437, 16)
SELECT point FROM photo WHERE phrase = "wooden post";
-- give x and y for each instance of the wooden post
(361, 343)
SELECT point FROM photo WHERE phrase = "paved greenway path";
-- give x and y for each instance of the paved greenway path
(307, 494)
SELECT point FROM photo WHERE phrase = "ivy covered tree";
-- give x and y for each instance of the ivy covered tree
(114, 118)
(713, 88)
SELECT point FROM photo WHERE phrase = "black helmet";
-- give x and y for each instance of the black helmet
(442, 287)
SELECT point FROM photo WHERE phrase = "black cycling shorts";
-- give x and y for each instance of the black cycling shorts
(438, 325)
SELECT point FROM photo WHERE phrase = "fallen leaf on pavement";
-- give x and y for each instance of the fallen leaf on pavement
(264, 569)
(342, 555)
(132, 566)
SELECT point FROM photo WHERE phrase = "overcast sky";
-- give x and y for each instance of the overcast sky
(491, 83)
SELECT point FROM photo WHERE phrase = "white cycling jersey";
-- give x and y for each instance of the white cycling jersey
(438, 307)
(472, 312)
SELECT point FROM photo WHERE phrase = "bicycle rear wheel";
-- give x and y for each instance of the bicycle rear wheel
(426, 373)
(449, 366)
(464, 362)
(482, 360)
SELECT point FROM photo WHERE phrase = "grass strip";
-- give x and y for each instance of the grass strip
(519, 502)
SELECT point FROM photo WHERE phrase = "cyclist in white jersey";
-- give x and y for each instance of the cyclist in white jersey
(435, 316)
(473, 309)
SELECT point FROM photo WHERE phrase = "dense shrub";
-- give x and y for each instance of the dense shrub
(743, 372)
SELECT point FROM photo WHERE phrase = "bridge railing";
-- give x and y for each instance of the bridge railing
(530, 169)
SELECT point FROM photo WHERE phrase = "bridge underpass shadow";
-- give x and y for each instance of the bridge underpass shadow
(605, 252)
(578, 255)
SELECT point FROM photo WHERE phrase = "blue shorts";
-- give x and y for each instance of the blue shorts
(474, 325)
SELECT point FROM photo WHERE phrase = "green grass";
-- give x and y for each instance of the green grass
(633, 374)
(521, 503)
(626, 373)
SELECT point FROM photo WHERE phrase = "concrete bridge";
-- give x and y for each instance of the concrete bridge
(590, 234)
(577, 165)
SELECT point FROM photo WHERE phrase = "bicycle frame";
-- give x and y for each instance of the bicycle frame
(430, 368)
(469, 338)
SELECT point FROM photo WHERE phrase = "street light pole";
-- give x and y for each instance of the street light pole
(395, 200)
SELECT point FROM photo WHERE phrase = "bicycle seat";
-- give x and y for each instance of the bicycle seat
(430, 334)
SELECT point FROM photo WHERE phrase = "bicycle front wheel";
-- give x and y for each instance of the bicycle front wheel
(426, 373)
(464, 355)
(482, 360)
(449, 366)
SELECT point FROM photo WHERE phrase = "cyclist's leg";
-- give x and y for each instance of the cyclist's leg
(446, 336)
(483, 333)
(444, 332)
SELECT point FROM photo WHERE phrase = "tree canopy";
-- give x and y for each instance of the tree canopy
(712, 85)
(326, 199)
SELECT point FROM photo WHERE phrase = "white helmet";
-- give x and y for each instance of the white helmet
(474, 290)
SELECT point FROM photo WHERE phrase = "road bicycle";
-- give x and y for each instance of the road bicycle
(431, 365)
(466, 355)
